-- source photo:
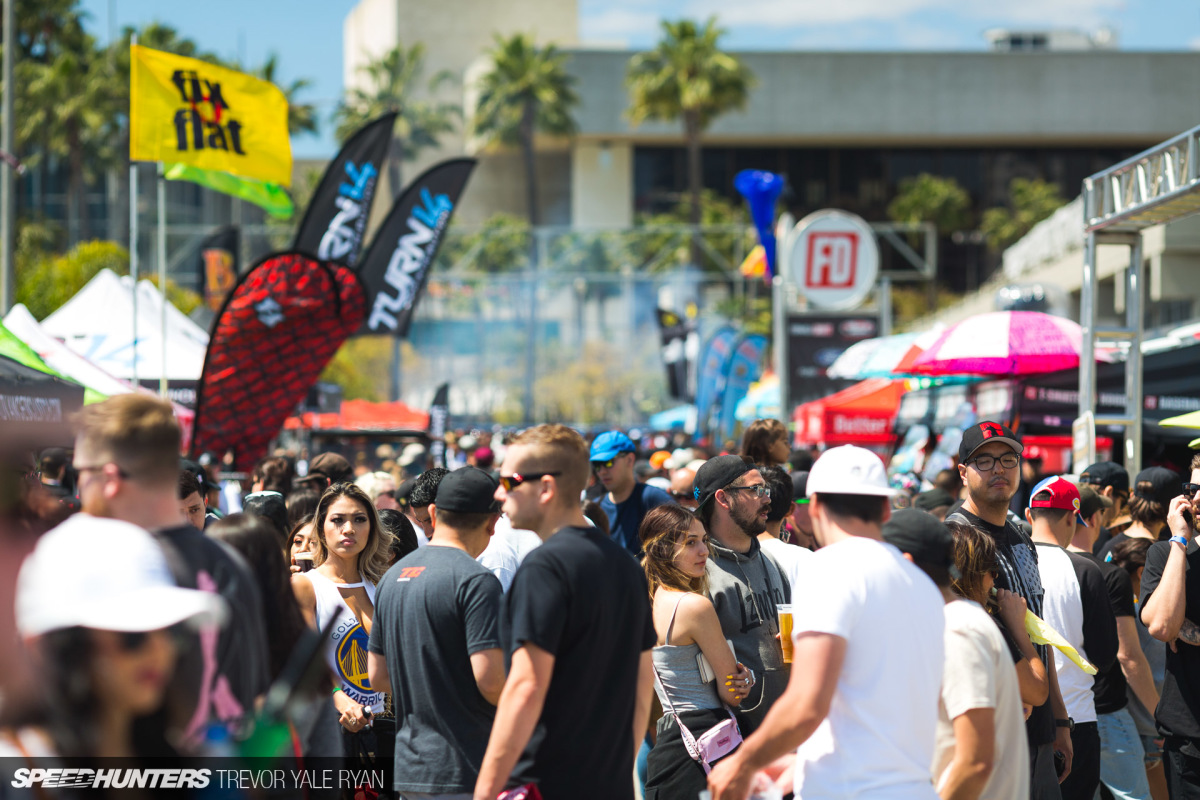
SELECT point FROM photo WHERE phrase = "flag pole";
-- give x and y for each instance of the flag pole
(133, 245)
(162, 274)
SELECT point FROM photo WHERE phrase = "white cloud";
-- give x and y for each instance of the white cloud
(617, 24)
(1194, 44)
(787, 13)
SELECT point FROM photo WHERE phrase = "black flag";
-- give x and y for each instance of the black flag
(218, 269)
(675, 331)
(336, 219)
(395, 267)
(439, 414)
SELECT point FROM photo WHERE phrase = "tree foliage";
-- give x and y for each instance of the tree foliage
(932, 198)
(527, 91)
(45, 282)
(1030, 202)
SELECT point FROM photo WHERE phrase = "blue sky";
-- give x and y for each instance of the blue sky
(307, 34)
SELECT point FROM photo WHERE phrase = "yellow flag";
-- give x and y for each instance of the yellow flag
(188, 111)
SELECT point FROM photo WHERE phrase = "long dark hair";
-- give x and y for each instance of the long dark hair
(255, 539)
(68, 709)
(662, 533)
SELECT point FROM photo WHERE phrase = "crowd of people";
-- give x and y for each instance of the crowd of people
(563, 615)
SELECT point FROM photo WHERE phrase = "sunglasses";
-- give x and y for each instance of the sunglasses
(134, 641)
(760, 489)
(510, 482)
(1190, 489)
(605, 464)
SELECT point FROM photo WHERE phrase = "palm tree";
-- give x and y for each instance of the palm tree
(302, 117)
(391, 82)
(688, 77)
(527, 91)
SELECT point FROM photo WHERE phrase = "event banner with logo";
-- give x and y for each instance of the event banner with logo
(218, 269)
(281, 325)
(189, 111)
(677, 333)
(814, 342)
(710, 375)
(743, 368)
(396, 266)
(336, 219)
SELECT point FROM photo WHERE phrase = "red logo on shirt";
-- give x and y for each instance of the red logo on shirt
(408, 573)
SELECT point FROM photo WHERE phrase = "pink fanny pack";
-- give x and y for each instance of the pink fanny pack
(717, 742)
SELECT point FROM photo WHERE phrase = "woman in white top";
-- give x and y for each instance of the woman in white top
(676, 551)
(350, 554)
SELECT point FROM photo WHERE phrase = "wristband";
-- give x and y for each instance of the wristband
(336, 689)
(1180, 539)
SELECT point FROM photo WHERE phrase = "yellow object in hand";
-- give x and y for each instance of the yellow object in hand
(1041, 633)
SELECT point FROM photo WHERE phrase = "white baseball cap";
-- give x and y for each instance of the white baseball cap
(849, 470)
(106, 574)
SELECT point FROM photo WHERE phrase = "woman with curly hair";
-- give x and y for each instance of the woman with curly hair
(676, 551)
(766, 442)
(350, 555)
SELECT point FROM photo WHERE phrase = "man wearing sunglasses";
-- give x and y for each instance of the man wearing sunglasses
(989, 459)
(626, 500)
(577, 701)
(745, 584)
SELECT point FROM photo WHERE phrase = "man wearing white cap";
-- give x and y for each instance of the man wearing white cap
(860, 729)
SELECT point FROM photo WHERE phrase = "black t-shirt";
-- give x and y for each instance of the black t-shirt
(625, 518)
(1110, 683)
(435, 608)
(582, 598)
(1178, 712)
(1018, 573)
(1117, 538)
(241, 670)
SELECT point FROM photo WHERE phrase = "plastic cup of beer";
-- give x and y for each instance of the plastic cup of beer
(785, 631)
(304, 560)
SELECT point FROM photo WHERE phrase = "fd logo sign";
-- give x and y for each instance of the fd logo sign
(833, 259)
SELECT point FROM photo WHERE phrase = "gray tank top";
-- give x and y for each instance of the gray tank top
(679, 676)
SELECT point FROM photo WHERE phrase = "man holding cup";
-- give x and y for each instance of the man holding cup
(862, 605)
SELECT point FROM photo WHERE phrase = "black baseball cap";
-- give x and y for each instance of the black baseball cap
(800, 485)
(921, 535)
(1091, 501)
(329, 467)
(717, 473)
(1159, 484)
(1106, 473)
(983, 433)
(934, 498)
(401, 495)
(468, 490)
(198, 471)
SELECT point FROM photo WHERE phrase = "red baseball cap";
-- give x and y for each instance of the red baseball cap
(1063, 495)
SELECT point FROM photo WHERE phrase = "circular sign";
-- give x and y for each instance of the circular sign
(833, 259)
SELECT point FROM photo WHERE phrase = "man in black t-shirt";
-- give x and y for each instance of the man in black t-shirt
(1111, 481)
(577, 700)
(1170, 606)
(989, 460)
(435, 642)
(127, 457)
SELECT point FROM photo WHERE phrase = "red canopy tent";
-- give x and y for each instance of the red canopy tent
(363, 415)
(863, 414)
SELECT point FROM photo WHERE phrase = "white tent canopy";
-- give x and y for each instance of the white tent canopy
(97, 323)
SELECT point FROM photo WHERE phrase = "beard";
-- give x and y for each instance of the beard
(747, 520)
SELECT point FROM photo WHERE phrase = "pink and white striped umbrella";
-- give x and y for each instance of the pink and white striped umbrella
(1003, 343)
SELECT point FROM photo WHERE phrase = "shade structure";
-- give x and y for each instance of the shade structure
(883, 356)
(364, 416)
(680, 417)
(1188, 420)
(35, 407)
(1003, 343)
(862, 414)
(761, 402)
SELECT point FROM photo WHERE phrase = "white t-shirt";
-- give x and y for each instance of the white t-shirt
(791, 558)
(980, 674)
(878, 738)
(507, 549)
(1062, 609)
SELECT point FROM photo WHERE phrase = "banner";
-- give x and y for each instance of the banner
(439, 413)
(710, 375)
(814, 342)
(279, 328)
(192, 112)
(744, 367)
(396, 266)
(336, 219)
(218, 268)
(761, 190)
(270, 197)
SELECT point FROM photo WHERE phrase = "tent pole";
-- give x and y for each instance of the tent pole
(162, 274)
(133, 250)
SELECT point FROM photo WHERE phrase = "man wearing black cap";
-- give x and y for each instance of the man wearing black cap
(327, 469)
(989, 459)
(936, 501)
(800, 521)
(436, 642)
(1153, 490)
(744, 583)
(1110, 480)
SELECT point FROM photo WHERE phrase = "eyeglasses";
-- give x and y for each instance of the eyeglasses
(759, 489)
(132, 641)
(510, 482)
(988, 463)
(1190, 489)
(606, 464)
